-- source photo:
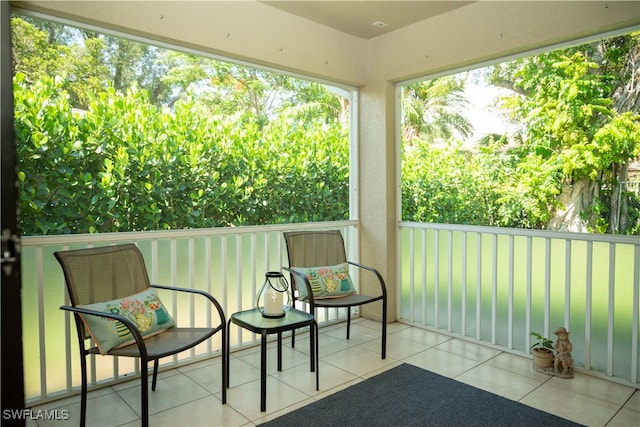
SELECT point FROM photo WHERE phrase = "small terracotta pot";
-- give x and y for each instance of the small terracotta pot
(542, 358)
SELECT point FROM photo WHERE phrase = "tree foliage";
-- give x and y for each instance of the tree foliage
(434, 110)
(446, 184)
(577, 111)
(129, 137)
(574, 105)
(128, 165)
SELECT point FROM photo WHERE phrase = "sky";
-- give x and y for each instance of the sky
(483, 114)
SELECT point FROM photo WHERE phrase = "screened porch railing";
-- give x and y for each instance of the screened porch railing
(488, 285)
(229, 262)
(495, 286)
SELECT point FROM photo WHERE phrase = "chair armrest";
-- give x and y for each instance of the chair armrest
(306, 283)
(383, 286)
(198, 292)
(127, 322)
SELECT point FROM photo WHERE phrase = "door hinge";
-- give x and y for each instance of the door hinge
(10, 250)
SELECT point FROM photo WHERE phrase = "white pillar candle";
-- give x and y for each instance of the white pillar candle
(272, 302)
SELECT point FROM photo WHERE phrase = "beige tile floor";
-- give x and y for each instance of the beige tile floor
(190, 395)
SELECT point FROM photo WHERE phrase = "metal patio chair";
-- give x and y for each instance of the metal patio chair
(319, 275)
(117, 310)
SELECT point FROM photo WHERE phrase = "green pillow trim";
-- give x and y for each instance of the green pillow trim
(144, 309)
(332, 281)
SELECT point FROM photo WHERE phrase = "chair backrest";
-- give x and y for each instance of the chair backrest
(315, 248)
(103, 274)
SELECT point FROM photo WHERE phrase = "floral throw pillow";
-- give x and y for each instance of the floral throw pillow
(144, 309)
(331, 281)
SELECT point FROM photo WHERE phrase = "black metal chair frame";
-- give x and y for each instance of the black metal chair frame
(342, 302)
(147, 349)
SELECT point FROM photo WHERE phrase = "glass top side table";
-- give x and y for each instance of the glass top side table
(253, 321)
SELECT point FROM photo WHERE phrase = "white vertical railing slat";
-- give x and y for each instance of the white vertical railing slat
(550, 287)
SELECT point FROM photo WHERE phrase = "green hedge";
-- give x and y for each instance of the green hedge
(126, 165)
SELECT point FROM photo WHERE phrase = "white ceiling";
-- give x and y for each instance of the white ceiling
(357, 17)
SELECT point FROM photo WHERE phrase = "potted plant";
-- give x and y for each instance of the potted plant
(542, 351)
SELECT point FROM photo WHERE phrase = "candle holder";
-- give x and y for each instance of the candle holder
(273, 297)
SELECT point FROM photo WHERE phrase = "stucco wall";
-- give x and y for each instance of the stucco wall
(488, 30)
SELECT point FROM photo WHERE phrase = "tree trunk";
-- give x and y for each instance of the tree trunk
(574, 198)
(624, 205)
(618, 220)
(119, 65)
(614, 203)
